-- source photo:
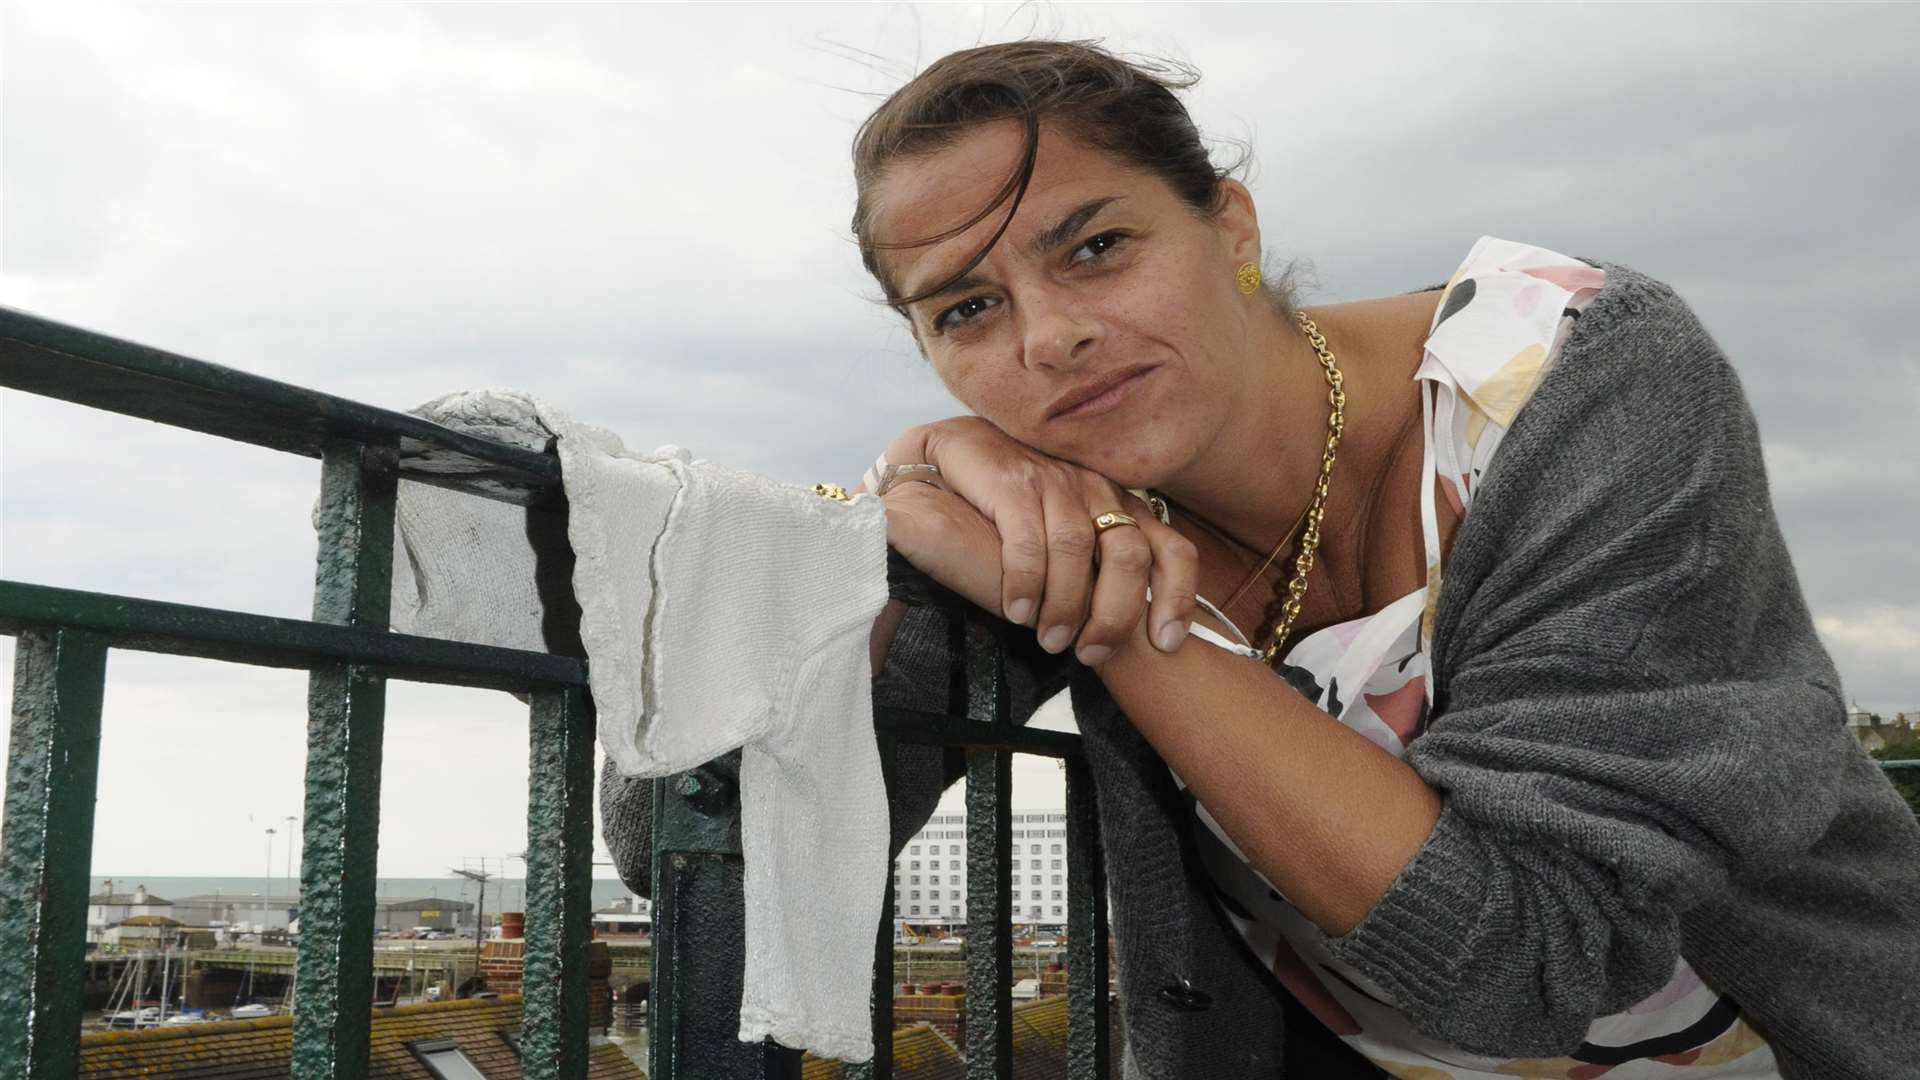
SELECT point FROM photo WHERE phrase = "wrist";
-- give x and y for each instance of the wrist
(911, 445)
(1127, 651)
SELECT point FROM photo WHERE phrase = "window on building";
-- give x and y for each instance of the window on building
(1056, 909)
(1035, 850)
(1056, 864)
(933, 879)
(916, 879)
(1056, 894)
(915, 896)
(1056, 849)
(1033, 864)
(953, 894)
(935, 909)
(1035, 912)
(953, 849)
(914, 850)
(914, 865)
(916, 909)
(1056, 879)
(443, 1058)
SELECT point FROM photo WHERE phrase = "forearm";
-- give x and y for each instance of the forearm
(1327, 816)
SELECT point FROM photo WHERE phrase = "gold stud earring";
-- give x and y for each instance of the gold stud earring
(1247, 277)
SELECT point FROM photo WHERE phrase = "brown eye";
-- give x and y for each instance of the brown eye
(1098, 246)
(963, 312)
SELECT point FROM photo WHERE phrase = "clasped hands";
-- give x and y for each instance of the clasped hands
(1014, 533)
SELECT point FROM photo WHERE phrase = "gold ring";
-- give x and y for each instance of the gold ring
(1112, 519)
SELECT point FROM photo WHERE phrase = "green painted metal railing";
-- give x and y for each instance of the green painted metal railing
(64, 637)
(697, 879)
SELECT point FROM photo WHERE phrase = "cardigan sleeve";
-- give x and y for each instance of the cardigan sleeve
(1632, 709)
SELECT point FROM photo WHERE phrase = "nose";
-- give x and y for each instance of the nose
(1060, 334)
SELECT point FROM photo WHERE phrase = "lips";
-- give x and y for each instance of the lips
(1088, 398)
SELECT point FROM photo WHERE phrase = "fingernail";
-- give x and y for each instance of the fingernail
(1020, 611)
(1056, 638)
(1170, 636)
(1094, 655)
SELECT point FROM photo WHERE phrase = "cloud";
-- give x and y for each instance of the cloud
(1874, 646)
(640, 212)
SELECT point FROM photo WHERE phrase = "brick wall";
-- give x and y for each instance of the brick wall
(943, 1005)
(503, 966)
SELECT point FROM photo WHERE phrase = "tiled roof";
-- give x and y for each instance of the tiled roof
(919, 1053)
(126, 899)
(259, 1049)
(1039, 1048)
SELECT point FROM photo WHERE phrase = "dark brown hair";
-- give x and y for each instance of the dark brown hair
(1123, 107)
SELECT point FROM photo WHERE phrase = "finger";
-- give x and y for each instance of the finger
(942, 535)
(1070, 547)
(1119, 592)
(1175, 578)
(1021, 517)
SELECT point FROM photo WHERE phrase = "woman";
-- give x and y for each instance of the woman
(1552, 780)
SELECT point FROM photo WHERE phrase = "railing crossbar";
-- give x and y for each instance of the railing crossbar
(103, 372)
(271, 641)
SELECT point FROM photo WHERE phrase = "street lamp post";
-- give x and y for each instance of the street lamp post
(268, 902)
(290, 820)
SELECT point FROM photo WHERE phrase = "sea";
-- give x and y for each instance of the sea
(503, 894)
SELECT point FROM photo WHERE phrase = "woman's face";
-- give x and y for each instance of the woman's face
(1104, 280)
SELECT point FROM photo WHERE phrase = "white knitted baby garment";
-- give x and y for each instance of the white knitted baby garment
(719, 609)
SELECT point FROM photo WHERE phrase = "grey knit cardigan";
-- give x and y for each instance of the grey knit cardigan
(1638, 739)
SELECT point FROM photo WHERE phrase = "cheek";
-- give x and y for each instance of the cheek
(992, 387)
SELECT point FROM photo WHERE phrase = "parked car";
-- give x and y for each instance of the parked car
(1046, 943)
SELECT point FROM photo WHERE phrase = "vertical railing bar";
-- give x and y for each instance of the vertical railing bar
(881, 1067)
(662, 1000)
(556, 998)
(346, 710)
(1087, 1008)
(46, 848)
(989, 1004)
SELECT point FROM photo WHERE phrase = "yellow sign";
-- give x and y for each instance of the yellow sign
(429, 914)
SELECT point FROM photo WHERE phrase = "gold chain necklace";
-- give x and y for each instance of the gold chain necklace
(1316, 510)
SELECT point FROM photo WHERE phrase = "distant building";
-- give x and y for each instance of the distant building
(1875, 733)
(422, 911)
(245, 912)
(108, 908)
(930, 876)
(143, 931)
(631, 917)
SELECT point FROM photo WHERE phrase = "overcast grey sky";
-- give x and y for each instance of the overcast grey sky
(640, 212)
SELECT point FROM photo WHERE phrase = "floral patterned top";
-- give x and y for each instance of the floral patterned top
(1497, 329)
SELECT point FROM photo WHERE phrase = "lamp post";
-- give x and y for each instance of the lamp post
(268, 902)
(290, 820)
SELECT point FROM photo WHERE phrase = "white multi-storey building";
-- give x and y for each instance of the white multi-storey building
(930, 876)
